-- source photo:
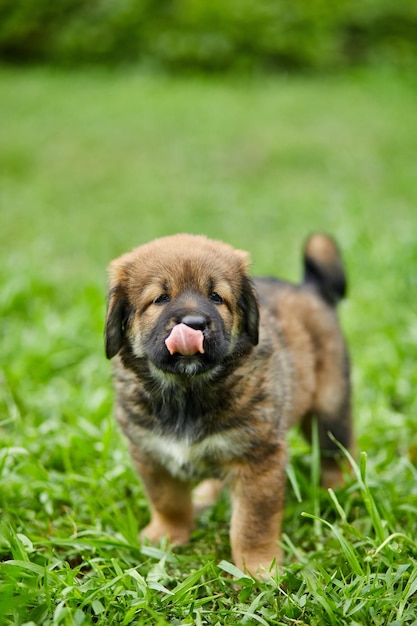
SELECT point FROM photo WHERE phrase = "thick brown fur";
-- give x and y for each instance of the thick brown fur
(274, 355)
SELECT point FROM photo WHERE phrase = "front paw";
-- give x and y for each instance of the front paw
(261, 565)
(159, 528)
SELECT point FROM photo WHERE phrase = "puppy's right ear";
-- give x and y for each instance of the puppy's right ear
(116, 318)
(248, 304)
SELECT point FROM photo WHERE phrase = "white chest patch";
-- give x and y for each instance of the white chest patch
(188, 461)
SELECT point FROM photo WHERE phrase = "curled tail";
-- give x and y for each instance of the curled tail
(323, 268)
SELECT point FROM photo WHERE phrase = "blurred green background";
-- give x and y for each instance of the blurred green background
(210, 35)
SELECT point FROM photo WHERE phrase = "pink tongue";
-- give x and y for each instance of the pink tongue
(185, 340)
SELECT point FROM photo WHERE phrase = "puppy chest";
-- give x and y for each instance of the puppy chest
(192, 461)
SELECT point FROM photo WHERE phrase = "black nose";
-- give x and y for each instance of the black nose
(198, 322)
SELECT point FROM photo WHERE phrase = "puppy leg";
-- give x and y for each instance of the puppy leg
(332, 406)
(206, 493)
(170, 500)
(332, 459)
(257, 501)
(339, 425)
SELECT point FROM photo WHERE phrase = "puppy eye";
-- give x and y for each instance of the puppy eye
(162, 299)
(216, 298)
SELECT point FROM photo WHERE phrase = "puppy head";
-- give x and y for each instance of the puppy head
(184, 303)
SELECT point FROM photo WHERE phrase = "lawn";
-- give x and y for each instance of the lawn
(94, 163)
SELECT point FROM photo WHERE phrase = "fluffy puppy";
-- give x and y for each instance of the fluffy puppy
(212, 368)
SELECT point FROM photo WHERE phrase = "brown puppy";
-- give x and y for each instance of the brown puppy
(211, 370)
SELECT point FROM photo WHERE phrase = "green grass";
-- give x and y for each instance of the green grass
(92, 164)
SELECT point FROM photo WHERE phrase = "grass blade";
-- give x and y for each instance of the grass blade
(347, 548)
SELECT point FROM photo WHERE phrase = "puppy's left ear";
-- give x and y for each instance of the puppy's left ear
(116, 318)
(248, 303)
